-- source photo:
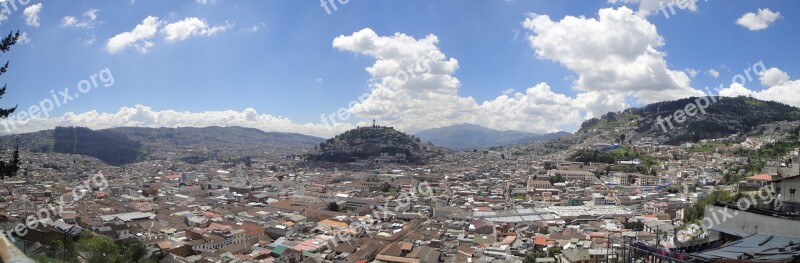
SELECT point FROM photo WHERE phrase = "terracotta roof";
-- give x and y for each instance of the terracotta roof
(542, 241)
(760, 177)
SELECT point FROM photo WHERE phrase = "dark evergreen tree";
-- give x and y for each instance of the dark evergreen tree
(10, 168)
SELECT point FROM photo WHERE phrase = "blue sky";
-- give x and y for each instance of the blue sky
(274, 64)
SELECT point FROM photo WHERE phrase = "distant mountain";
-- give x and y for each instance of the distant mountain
(125, 145)
(721, 118)
(374, 143)
(470, 136)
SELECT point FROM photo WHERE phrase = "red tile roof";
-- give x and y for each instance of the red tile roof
(760, 177)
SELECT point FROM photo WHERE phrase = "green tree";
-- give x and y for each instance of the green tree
(333, 206)
(552, 251)
(556, 179)
(634, 225)
(100, 249)
(135, 252)
(10, 168)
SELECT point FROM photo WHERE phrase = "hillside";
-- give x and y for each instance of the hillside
(470, 136)
(728, 116)
(125, 145)
(375, 143)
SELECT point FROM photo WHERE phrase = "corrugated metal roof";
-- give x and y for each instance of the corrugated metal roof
(758, 247)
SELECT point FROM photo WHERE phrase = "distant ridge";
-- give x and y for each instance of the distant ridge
(721, 118)
(126, 145)
(470, 136)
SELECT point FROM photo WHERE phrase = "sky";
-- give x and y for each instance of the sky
(322, 67)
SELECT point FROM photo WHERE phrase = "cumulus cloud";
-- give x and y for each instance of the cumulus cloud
(778, 87)
(773, 77)
(71, 21)
(692, 72)
(648, 7)
(24, 39)
(713, 73)
(758, 21)
(616, 56)
(143, 116)
(31, 14)
(3, 15)
(616, 53)
(191, 26)
(413, 87)
(139, 38)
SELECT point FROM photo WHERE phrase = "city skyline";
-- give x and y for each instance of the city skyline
(530, 66)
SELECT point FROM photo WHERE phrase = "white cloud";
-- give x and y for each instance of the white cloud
(3, 15)
(255, 28)
(692, 72)
(616, 54)
(734, 90)
(31, 14)
(773, 77)
(713, 73)
(71, 21)
(24, 39)
(91, 14)
(138, 38)
(779, 88)
(414, 88)
(143, 116)
(191, 26)
(648, 7)
(758, 21)
(203, 2)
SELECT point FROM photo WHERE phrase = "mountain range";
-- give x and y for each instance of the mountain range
(470, 136)
(125, 145)
(720, 117)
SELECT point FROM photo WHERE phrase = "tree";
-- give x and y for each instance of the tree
(8, 169)
(99, 249)
(552, 251)
(622, 138)
(634, 225)
(531, 257)
(556, 179)
(385, 187)
(333, 206)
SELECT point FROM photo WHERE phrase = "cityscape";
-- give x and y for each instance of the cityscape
(445, 131)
